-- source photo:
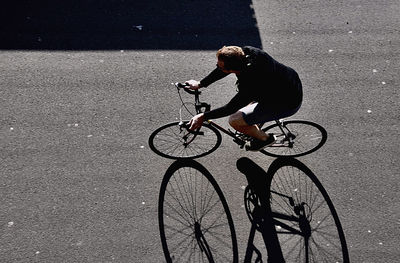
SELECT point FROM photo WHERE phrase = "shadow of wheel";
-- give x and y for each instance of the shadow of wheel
(297, 193)
(194, 218)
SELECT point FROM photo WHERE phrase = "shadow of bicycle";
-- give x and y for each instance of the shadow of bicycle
(287, 205)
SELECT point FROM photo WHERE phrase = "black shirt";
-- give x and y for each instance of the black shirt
(263, 80)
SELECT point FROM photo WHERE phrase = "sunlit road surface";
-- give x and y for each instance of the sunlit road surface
(78, 182)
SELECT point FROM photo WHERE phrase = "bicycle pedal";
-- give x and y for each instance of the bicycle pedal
(240, 142)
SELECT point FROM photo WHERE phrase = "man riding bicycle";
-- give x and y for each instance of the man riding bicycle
(267, 90)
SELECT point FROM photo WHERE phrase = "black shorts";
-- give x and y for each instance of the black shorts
(257, 113)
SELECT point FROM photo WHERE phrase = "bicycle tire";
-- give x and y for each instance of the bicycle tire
(310, 137)
(169, 141)
(194, 217)
(291, 178)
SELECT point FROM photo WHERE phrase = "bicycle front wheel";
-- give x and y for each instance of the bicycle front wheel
(194, 218)
(305, 219)
(295, 138)
(176, 142)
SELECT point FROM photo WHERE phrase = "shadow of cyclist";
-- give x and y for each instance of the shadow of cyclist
(258, 196)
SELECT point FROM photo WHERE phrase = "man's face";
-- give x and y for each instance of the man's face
(221, 66)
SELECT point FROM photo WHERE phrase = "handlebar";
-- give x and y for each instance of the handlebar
(185, 86)
(198, 105)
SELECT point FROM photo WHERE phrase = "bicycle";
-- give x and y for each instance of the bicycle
(175, 141)
(287, 205)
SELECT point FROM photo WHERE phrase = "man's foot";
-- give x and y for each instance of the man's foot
(257, 145)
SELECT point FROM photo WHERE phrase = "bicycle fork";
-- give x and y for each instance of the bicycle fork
(287, 134)
(189, 135)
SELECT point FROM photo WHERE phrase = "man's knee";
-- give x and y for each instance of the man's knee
(236, 120)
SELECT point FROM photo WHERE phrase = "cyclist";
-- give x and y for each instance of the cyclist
(267, 90)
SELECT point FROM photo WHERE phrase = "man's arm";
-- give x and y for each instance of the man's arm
(215, 75)
(236, 103)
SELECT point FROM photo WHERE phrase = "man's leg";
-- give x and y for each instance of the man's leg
(238, 123)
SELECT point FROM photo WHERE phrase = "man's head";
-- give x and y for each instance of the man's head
(231, 59)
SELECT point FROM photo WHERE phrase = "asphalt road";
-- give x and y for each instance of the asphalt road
(79, 99)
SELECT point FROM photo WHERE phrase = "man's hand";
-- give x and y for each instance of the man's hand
(196, 122)
(193, 84)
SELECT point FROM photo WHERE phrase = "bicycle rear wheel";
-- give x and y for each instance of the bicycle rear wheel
(176, 142)
(194, 218)
(302, 137)
(305, 219)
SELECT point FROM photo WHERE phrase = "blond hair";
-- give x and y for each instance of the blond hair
(232, 56)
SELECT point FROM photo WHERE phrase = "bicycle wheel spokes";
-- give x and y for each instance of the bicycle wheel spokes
(299, 138)
(195, 222)
(317, 219)
(176, 142)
